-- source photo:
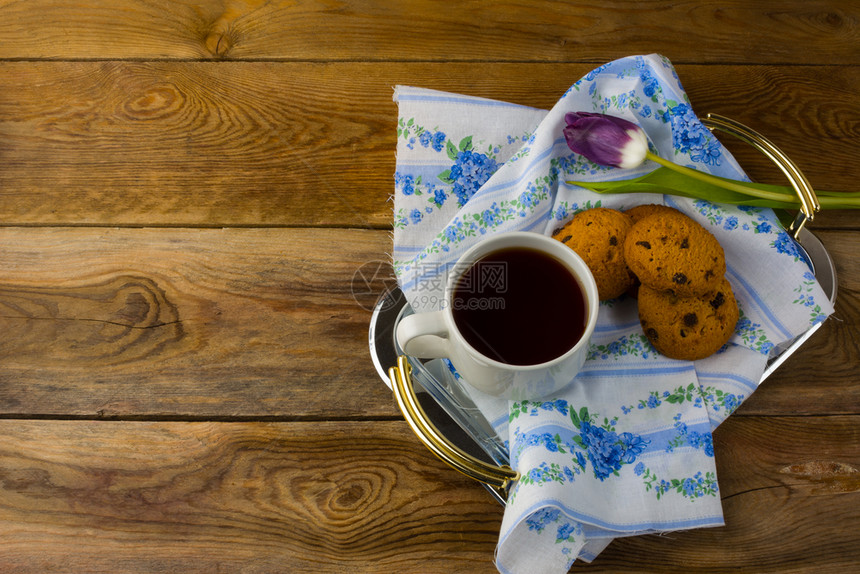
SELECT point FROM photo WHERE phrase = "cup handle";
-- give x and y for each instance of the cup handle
(424, 335)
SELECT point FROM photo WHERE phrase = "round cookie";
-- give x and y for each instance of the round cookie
(597, 235)
(642, 211)
(688, 328)
(670, 251)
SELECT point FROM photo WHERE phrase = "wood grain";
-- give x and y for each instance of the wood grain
(822, 375)
(216, 497)
(194, 221)
(312, 144)
(120, 322)
(790, 488)
(366, 497)
(795, 31)
(263, 322)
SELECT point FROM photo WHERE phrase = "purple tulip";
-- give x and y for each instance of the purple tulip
(606, 140)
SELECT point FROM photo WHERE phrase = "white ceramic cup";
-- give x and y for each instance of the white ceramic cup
(436, 335)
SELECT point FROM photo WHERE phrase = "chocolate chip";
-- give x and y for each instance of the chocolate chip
(691, 320)
(718, 300)
(652, 334)
(644, 244)
(557, 231)
(685, 244)
(683, 334)
(613, 240)
(566, 239)
(679, 278)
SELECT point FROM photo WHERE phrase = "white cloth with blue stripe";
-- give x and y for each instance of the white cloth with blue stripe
(628, 449)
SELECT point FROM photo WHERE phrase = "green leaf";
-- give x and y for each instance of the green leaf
(557, 439)
(466, 143)
(669, 181)
(575, 419)
(665, 180)
(452, 151)
(446, 176)
(583, 414)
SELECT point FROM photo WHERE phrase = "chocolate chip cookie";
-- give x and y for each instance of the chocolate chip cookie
(597, 235)
(668, 251)
(642, 211)
(688, 328)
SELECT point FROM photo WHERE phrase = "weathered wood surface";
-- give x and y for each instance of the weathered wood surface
(263, 322)
(365, 497)
(270, 143)
(192, 195)
(189, 322)
(712, 31)
(220, 497)
(783, 480)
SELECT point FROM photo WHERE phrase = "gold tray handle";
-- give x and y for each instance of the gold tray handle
(809, 204)
(500, 478)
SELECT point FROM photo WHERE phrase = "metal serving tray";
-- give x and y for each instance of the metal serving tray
(445, 418)
(455, 415)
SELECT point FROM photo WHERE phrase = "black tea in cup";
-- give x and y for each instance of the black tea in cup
(519, 306)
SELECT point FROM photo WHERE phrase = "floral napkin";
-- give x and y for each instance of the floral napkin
(628, 449)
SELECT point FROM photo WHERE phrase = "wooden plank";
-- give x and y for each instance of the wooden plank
(798, 32)
(209, 497)
(822, 376)
(791, 500)
(266, 143)
(365, 496)
(197, 144)
(263, 322)
(233, 322)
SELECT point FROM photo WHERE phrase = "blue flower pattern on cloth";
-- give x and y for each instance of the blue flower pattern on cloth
(601, 448)
(628, 449)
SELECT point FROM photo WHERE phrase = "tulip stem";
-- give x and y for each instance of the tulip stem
(835, 202)
(738, 187)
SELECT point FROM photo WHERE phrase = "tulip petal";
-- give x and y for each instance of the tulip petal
(605, 140)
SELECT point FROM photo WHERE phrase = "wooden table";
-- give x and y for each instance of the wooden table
(186, 191)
